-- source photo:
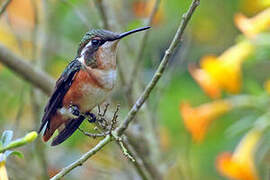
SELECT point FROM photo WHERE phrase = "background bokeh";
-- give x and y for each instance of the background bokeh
(47, 33)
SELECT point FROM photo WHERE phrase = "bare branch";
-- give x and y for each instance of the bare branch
(93, 135)
(4, 7)
(84, 158)
(31, 74)
(139, 163)
(142, 47)
(125, 151)
(175, 42)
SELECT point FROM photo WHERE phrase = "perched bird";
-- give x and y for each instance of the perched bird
(84, 84)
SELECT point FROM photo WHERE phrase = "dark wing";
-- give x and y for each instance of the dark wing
(62, 86)
(70, 128)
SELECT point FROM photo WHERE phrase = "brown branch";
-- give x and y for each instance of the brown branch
(119, 131)
(4, 7)
(22, 67)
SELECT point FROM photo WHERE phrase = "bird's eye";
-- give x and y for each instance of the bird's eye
(95, 42)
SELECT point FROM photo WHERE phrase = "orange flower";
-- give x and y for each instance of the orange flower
(197, 120)
(255, 25)
(143, 8)
(240, 165)
(223, 72)
(21, 14)
(16, 31)
(207, 83)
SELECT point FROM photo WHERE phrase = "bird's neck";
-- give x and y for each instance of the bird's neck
(106, 59)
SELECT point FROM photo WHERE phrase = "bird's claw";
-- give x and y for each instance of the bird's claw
(74, 110)
(91, 117)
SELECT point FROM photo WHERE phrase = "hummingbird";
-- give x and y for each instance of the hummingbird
(84, 84)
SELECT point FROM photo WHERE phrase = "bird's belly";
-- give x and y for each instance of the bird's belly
(86, 93)
(91, 97)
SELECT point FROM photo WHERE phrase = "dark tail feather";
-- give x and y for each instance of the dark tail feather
(41, 127)
(70, 128)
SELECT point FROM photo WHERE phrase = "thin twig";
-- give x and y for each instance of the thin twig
(142, 45)
(119, 131)
(100, 6)
(139, 163)
(4, 7)
(114, 119)
(125, 151)
(105, 109)
(175, 42)
(93, 135)
(82, 159)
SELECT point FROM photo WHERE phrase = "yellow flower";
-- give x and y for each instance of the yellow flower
(223, 72)
(267, 86)
(253, 6)
(208, 84)
(197, 120)
(255, 25)
(17, 31)
(3, 171)
(143, 8)
(240, 165)
(265, 3)
(21, 14)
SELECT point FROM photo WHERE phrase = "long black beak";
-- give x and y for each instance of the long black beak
(132, 31)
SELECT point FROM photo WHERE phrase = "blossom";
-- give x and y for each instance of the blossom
(223, 72)
(253, 6)
(252, 26)
(207, 83)
(197, 120)
(240, 164)
(3, 170)
(143, 8)
(16, 32)
(21, 14)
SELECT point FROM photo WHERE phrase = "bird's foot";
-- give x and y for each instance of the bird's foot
(75, 110)
(91, 117)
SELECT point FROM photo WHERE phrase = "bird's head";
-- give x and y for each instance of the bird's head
(98, 47)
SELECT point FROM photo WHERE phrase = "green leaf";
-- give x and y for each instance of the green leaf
(15, 153)
(6, 137)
